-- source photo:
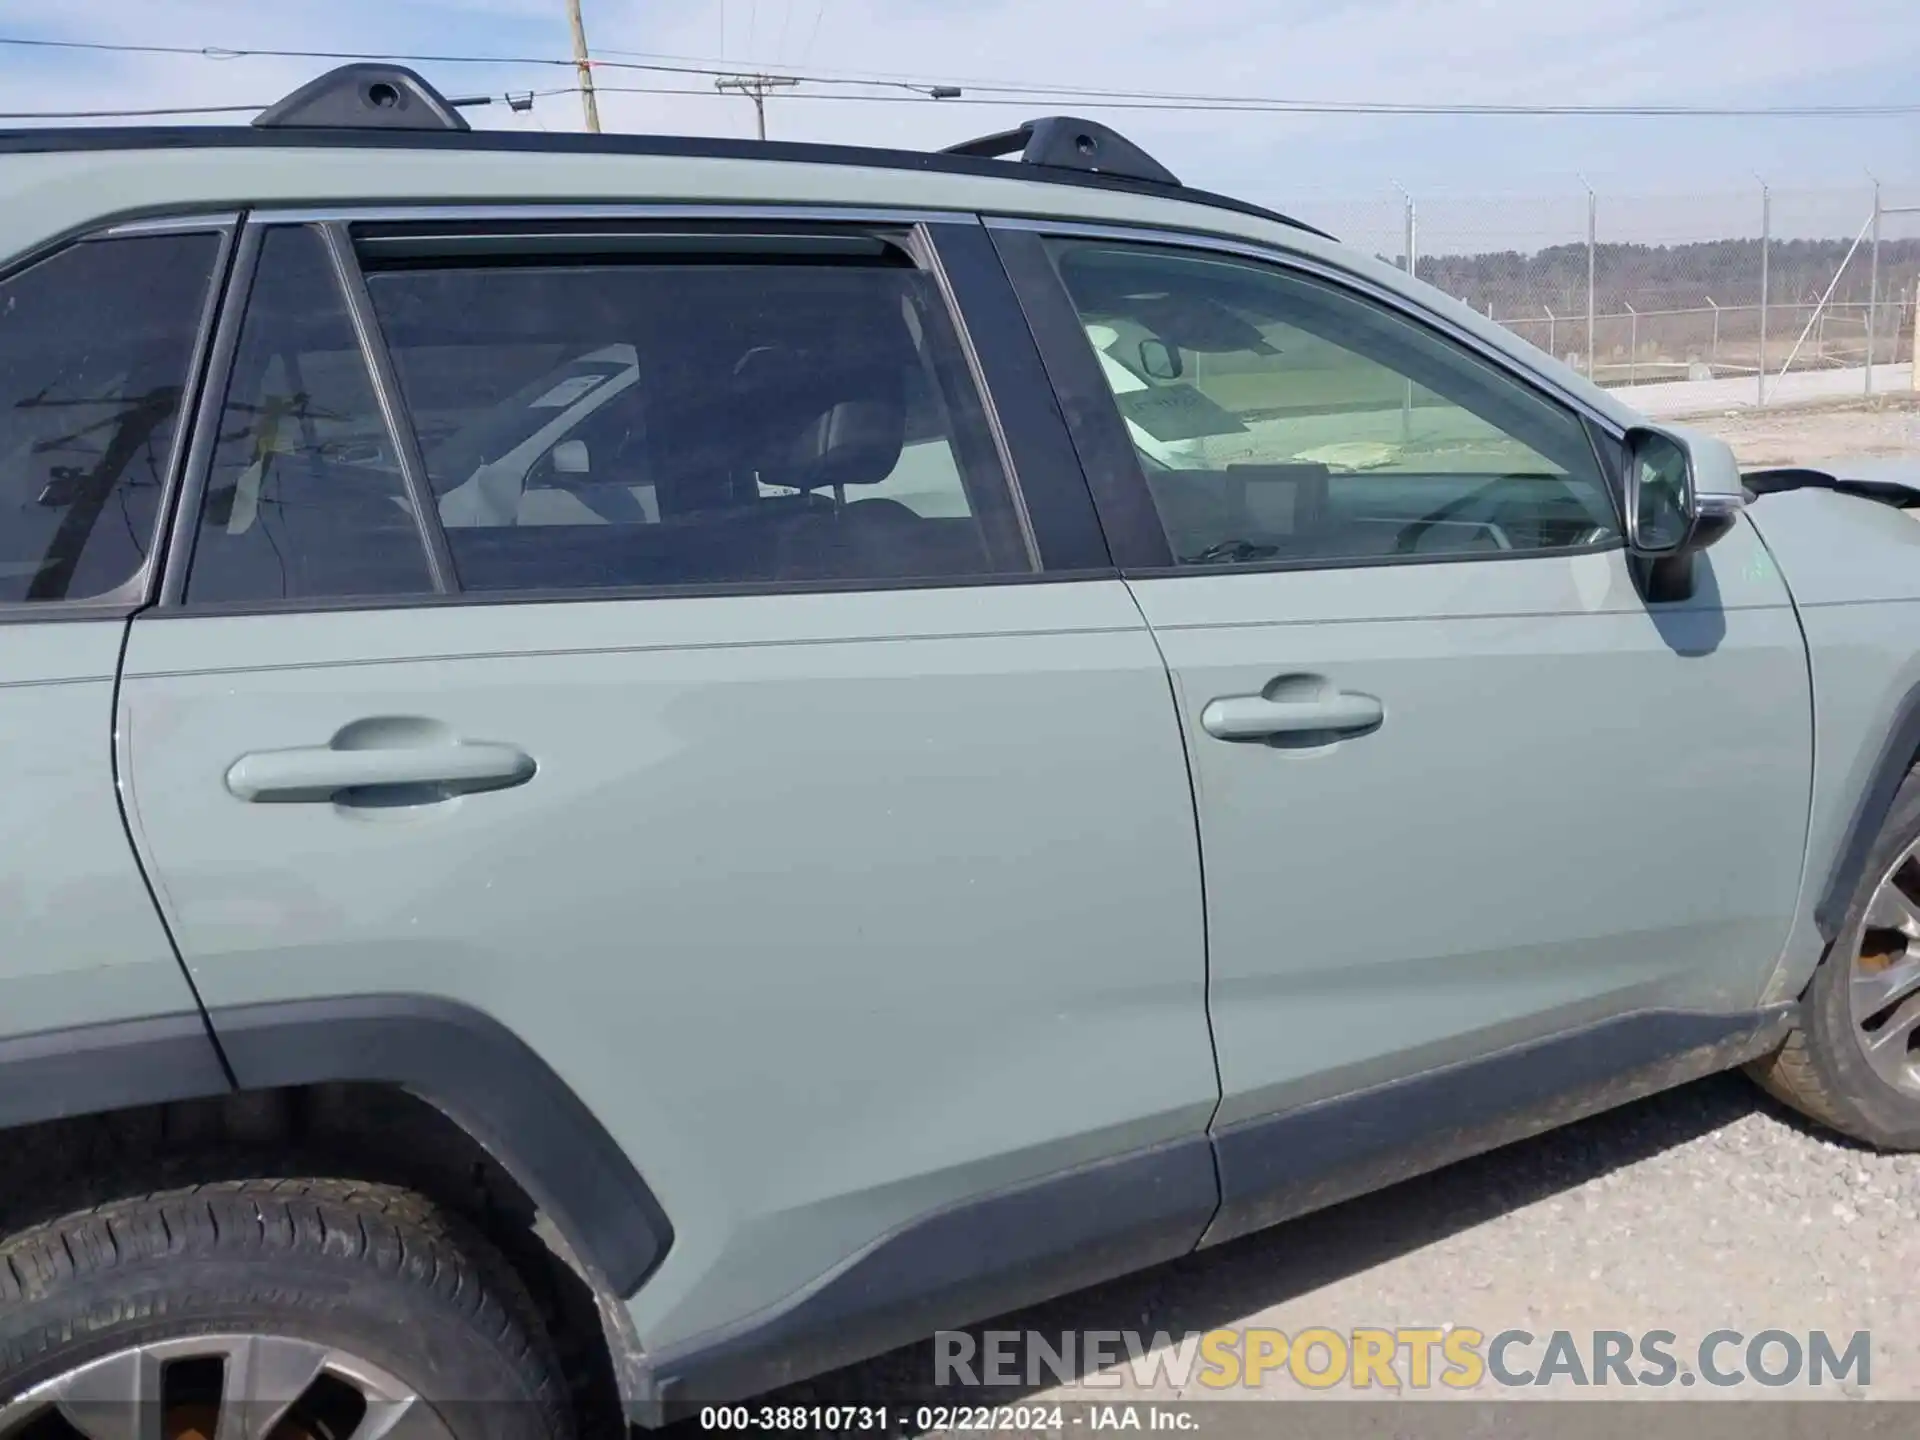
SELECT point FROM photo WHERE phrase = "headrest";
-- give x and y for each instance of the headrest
(845, 427)
(853, 442)
(826, 419)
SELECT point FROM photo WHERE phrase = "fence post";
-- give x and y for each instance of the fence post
(1591, 234)
(1713, 354)
(1873, 286)
(1413, 235)
(1633, 344)
(1413, 272)
(1913, 375)
(1766, 236)
(1550, 343)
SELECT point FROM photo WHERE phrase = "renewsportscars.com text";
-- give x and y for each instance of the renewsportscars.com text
(1402, 1359)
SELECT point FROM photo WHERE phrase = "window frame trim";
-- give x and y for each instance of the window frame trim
(136, 591)
(1127, 514)
(922, 227)
(351, 280)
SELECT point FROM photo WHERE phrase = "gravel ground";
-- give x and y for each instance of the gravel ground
(1809, 434)
(1706, 1208)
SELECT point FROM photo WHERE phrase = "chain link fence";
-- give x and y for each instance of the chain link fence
(1800, 293)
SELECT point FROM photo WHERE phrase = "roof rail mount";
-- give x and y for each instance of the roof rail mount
(1065, 142)
(364, 96)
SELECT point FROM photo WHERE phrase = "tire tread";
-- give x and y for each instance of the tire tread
(1818, 1071)
(322, 1223)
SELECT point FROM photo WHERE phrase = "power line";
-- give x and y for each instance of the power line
(1004, 103)
(1206, 101)
(1029, 94)
(786, 19)
(819, 9)
(1286, 107)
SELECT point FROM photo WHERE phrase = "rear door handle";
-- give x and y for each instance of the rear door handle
(1256, 717)
(321, 772)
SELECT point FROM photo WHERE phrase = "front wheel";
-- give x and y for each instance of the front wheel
(269, 1309)
(1854, 1063)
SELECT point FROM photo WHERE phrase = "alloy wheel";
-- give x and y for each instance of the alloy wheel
(1884, 989)
(223, 1387)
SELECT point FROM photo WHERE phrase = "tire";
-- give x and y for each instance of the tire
(1823, 1070)
(211, 1282)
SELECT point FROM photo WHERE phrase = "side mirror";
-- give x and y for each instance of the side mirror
(570, 458)
(1668, 520)
(1659, 493)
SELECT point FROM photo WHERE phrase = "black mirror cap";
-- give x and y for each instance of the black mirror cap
(363, 96)
(1669, 577)
(1713, 516)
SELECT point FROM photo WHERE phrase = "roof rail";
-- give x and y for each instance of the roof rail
(1065, 142)
(364, 97)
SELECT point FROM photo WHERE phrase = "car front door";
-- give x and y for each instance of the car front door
(1460, 787)
(836, 851)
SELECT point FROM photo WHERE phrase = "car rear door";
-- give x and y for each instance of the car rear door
(837, 852)
(99, 340)
(1460, 787)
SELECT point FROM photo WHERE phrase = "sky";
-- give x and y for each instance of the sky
(1480, 182)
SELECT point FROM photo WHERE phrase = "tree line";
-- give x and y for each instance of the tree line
(1665, 277)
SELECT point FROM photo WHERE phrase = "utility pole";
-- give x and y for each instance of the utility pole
(584, 65)
(756, 87)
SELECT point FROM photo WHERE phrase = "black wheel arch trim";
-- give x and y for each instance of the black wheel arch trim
(116, 1065)
(487, 1080)
(1890, 770)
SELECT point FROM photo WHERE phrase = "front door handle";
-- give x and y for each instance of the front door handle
(1262, 717)
(439, 770)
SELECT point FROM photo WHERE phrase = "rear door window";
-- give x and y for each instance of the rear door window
(762, 422)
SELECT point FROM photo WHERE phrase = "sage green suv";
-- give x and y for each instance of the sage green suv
(639, 767)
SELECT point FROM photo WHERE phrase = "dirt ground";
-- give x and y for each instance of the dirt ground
(1814, 433)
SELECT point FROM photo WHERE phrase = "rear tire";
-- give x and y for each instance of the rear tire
(1853, 1064)
(348, 1303)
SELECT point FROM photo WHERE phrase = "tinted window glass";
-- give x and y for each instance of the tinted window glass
(694, 424)
(305, 497)
(95, 347)
(1279, 417)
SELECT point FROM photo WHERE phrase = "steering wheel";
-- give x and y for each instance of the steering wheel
(1408, 541)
